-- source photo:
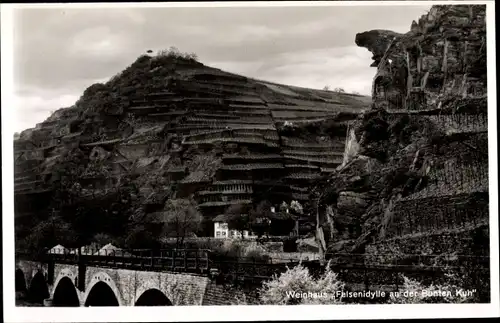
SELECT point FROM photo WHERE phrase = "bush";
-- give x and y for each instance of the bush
(228, 249)
(256, 256)
(284, 290)
(173, 52)
(297, 286)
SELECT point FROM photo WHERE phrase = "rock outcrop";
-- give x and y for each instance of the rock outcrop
(416, 163)
(169, 127)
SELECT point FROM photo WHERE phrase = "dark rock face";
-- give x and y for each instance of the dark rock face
(417, 162)
(169, 128)
(377, 42)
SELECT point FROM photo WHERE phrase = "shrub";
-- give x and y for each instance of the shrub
(174, 52)
(230, 249)
(298, 280)
(256, 256)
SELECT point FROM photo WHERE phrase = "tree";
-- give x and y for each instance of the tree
(296, 207)
(141, 236)
(326, 88)
(260, 218)
(264, 208)
(49, 233)
(238, 219)
(64, 179)
(240, 222)
(102, 239)
(339, 89)
(284, 207)
(182, 218)
(260, 226)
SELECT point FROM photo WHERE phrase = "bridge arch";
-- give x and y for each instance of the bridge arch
(153, 297)
(149, 284)
(20, 281)
(65, 293)
(102, 291)
(38, 290)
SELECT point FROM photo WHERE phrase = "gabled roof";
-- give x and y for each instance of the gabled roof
(221, 218)
(59, 249)
(110, 250)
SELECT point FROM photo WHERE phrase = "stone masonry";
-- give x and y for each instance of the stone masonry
(129, 285)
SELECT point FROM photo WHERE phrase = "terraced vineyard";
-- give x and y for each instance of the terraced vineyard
(222, 138)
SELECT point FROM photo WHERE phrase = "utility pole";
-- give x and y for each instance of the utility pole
(319, 236)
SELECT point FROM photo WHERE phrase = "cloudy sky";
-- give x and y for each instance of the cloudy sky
(60, 52)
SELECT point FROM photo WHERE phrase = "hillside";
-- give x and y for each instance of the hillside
(169, 127)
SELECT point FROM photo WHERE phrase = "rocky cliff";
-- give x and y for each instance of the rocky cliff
(169, 127)
(414, 180)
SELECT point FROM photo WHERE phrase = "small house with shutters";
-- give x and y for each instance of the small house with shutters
(222, 231)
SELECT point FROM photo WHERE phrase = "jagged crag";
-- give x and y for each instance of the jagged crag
(169, 127)
(414, 186)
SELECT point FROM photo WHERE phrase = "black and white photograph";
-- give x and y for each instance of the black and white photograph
(230, 156)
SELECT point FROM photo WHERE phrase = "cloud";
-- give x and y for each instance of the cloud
(338, 67)
(60, 52)
(99, 42)
(38, 106)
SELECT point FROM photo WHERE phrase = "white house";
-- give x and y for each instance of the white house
(110, 250)
(58, 250)
(222, 231)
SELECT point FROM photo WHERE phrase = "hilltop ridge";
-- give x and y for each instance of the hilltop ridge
(169, 127)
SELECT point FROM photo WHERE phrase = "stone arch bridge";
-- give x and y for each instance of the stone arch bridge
(106, 282)
(109, 286)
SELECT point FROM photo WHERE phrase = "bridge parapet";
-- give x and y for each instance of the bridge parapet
(106, 286)
(180, 277)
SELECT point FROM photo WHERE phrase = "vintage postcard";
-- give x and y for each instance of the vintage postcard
(230, 160)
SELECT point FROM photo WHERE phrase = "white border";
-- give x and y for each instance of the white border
(231, 313)
(242, 4)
